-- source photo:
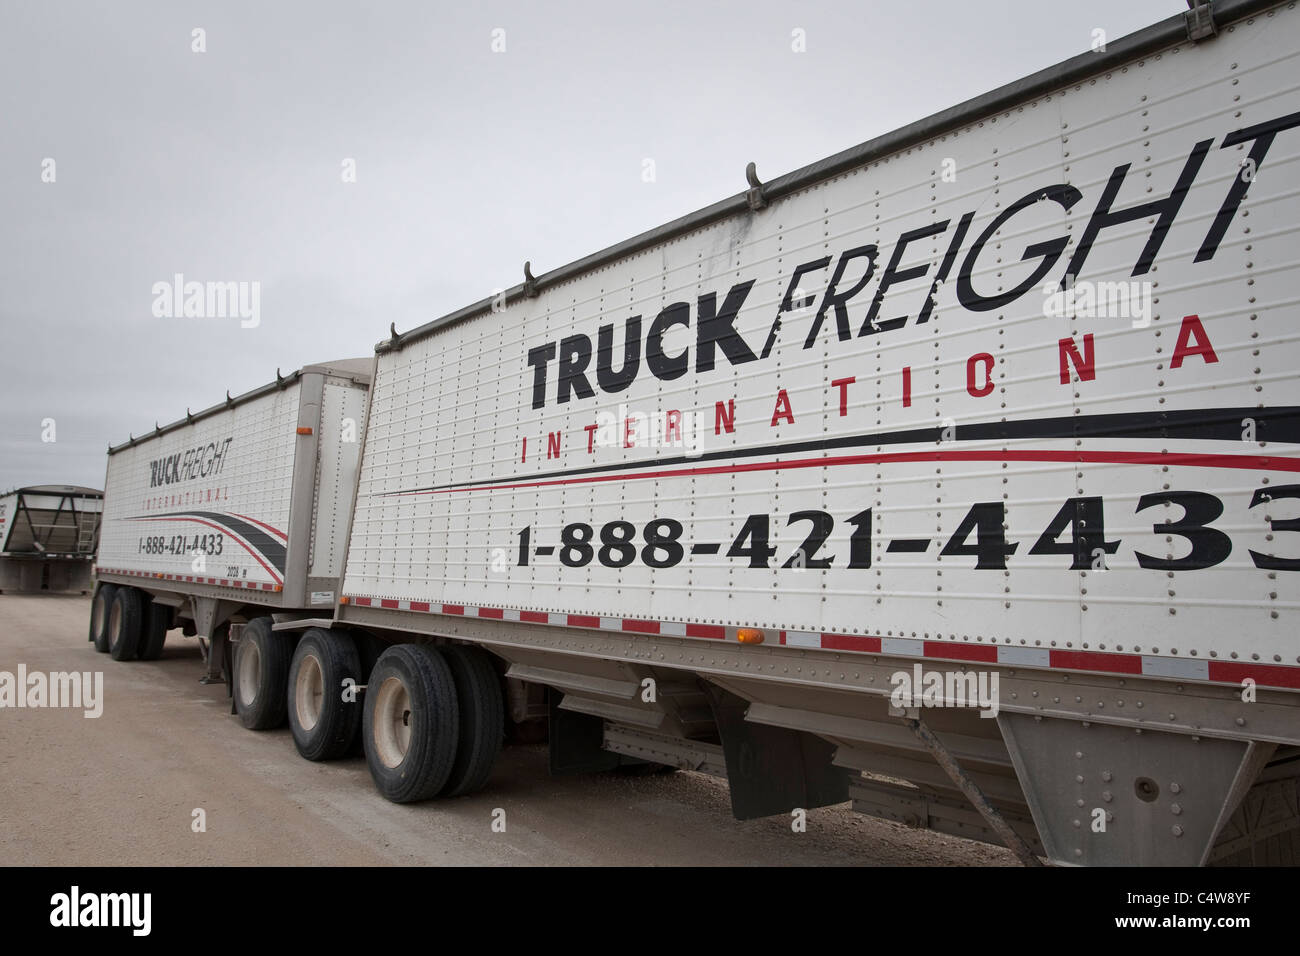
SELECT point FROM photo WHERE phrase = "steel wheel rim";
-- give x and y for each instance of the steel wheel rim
(392, 722)
(309, 692)
(114, 624)
(250, 672)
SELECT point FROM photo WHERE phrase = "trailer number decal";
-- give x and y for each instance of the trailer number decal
(981, 535)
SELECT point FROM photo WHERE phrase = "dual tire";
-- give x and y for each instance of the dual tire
(316, 689)
(157, 621)
(260, 671)
(324, 700)
(434, 721)
(126, 624)
(100, 605)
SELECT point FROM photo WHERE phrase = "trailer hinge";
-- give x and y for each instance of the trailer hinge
(754, 195)
(1200, 20)
(530, 282)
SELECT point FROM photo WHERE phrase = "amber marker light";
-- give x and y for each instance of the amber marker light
(304, 429)
(749, 635)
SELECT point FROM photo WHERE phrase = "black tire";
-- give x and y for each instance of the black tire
(157, 620)
(412, 724)
(369, 648)
(261, 673)
(482, 718)
(125, 624)
(324, 725)
(99, 608)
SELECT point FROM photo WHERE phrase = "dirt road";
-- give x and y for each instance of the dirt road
(122, 789)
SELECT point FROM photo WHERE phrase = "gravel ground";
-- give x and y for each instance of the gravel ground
(122, 789)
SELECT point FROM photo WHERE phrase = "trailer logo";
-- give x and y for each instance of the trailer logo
(208, 300)
(203, 461)
(576, 366)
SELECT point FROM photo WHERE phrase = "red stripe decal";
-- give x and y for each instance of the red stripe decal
(960, 652)
(1095, 661)
(849, 642)
(714, 631)
(1227, 672)
(1270, 675)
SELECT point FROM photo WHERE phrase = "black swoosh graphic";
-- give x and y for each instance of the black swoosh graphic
(1280, 424)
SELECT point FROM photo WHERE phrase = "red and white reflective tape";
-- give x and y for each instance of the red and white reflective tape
(1048, 658)
(191, 579)
(592, 621)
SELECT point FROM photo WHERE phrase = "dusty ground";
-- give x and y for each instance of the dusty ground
(121, 789)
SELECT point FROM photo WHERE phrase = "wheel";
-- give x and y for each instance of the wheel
(261, 672)
(125, 624)
(482, 718)
(100, 605)
(323, 722)
(411, 723)
(157, 620)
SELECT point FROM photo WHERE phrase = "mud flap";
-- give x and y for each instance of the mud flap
(577, 740)
(773, 770)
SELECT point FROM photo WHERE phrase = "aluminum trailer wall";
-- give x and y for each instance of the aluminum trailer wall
(242, 506)
(1085, 436)
(923, 444)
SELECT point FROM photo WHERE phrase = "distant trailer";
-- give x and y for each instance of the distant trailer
(48, 536)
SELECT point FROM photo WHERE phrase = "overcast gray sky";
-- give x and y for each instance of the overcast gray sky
(228, 164)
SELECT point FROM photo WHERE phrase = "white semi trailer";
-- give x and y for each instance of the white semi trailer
(230, 514)
(953, 475)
